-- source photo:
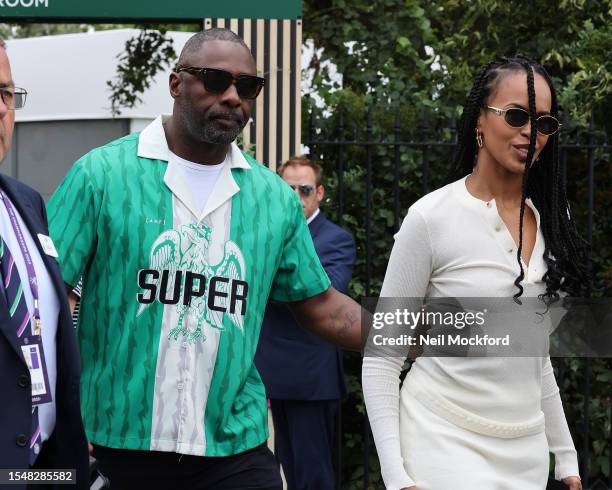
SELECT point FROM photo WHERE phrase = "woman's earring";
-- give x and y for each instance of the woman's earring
(478, 138)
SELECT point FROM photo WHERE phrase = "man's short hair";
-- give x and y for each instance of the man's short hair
(194, 43)
(304, 161)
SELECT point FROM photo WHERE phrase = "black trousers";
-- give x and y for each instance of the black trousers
(303, 440)
(255, 469)
(47, 460)
(556, 485)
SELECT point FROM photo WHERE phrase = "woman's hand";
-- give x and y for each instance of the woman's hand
(573, 482)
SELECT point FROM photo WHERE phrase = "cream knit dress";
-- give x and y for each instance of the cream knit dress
(464, 423)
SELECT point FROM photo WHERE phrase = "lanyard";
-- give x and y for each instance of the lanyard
(32, 281)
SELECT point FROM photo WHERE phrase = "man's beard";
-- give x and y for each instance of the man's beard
(207, 129)
(216, 134)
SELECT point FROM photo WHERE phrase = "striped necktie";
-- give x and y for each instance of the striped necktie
(20, 319)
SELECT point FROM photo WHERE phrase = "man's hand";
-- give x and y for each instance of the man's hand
(332, 316)
(573, 482)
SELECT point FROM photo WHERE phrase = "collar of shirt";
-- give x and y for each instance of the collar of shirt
(313, 216)
(152, 144)
(485, 207)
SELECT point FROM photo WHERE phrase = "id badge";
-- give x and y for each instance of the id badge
(33, 353)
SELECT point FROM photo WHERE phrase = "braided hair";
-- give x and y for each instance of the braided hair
(565, 252)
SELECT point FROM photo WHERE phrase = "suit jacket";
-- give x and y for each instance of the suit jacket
(293, 363)
(67, 446)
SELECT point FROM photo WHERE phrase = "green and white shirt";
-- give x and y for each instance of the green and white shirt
(173, 299)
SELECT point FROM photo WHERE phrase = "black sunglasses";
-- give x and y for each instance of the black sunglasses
(13, 97)
(218, 81)
(517, 118)
(304, 189)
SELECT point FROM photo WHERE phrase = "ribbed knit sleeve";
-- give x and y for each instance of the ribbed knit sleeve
(408, 274)
(557, 432)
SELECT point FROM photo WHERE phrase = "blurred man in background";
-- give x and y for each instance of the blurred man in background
(302, 373)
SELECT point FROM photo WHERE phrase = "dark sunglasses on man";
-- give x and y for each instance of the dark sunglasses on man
(516, 117)
(218, 81)
(13, 97)
(304, 189)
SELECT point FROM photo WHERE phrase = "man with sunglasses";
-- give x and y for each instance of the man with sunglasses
(181, 238)
(40, 421)
(303, 374)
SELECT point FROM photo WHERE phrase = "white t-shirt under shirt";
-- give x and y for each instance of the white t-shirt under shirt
(452, 244)
(199, 177)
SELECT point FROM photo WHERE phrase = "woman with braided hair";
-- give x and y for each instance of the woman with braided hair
(502, 230)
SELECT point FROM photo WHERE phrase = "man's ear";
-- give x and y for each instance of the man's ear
(320, 193)
(175, 84)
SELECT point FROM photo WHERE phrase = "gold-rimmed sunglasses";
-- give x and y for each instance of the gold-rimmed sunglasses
(516, 117)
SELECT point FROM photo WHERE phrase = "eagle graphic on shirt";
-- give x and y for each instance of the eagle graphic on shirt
(179, 274)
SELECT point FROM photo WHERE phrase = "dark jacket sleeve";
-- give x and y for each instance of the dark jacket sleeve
(338, 257)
